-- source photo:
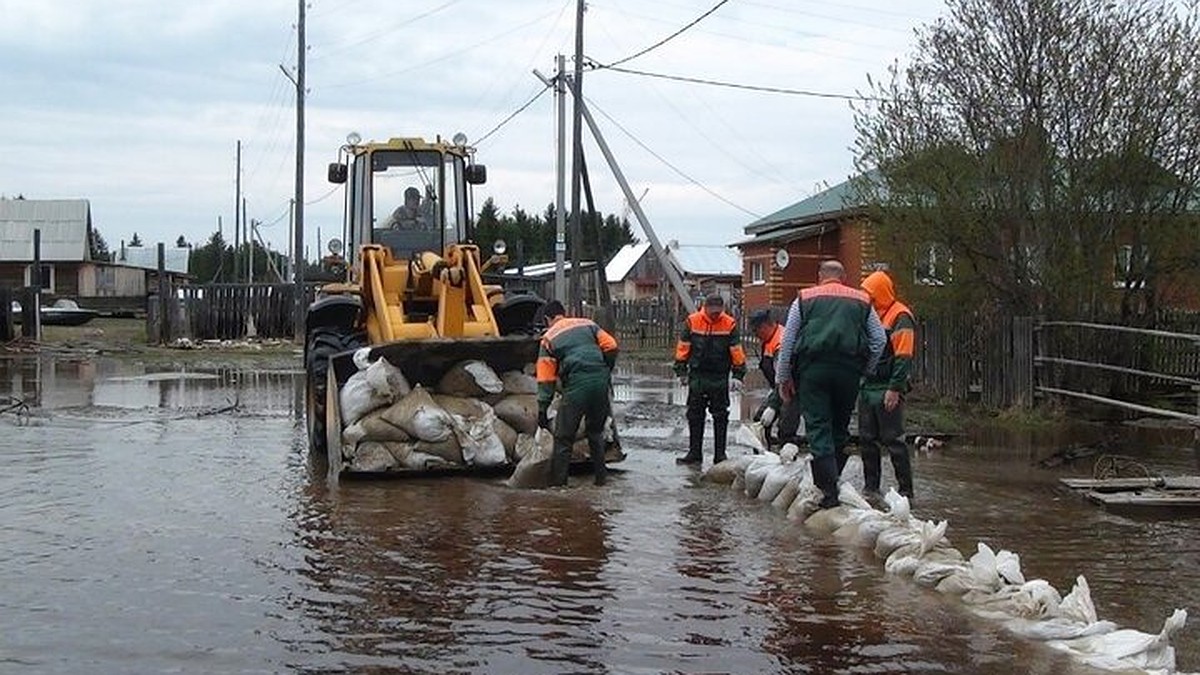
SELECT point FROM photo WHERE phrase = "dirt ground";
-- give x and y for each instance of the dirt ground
(115, 337)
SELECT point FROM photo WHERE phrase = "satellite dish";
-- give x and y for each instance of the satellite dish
(335, 246)
(782, 259)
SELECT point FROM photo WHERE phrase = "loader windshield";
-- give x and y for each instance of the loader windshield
(406, 195)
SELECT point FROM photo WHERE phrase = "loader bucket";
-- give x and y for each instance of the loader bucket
(424, 362)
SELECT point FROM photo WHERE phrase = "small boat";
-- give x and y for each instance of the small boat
(63, 312)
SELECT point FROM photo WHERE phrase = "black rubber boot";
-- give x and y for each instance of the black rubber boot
(872, 468)
(599, 468)
(560, 464)
(840, 457)
(824, 470)
(903, 468)
(695, 441)
(720, 438)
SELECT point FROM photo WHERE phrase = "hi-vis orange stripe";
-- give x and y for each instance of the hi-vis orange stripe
(547, 366)
(904, 340)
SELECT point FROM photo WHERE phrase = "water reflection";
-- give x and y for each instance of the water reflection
(456, 574)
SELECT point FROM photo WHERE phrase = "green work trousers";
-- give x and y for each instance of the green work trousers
(826, 393)
(586, 399)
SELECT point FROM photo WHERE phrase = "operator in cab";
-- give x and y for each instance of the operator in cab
(412, 214)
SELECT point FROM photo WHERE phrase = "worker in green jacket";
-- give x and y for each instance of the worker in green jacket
(831, 339)
(881, 401)
(708, 351)
(579, 356)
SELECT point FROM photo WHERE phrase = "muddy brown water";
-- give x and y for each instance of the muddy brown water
(150, 526)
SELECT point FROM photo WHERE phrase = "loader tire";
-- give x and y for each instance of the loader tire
(322, 344)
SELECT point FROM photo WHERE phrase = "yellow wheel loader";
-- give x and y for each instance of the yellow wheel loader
(414, 294)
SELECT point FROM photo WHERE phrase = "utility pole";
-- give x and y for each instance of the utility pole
(560, 215)
(577, 161)
(298, 199)
(237, 208)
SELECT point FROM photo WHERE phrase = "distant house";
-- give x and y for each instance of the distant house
(539, 278)
(635, 273)
(782, 251)
(68, 268)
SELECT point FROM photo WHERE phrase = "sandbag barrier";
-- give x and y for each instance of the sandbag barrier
(989, 583)
(472, 418)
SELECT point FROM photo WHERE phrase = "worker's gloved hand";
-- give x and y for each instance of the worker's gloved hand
(736, 385)
(543, 419)
(683, 380)
(768, 416)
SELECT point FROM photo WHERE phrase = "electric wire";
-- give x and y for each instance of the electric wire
(382, 32)
(668, 164)
(745, 87)
(511, 116)
(670, 37)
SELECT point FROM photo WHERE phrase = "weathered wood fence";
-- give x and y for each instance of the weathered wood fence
(224, 312)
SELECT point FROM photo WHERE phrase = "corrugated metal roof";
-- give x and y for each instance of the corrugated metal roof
(840, 197)
(707, 260)
(546, 269)
(623, 261)
(64, 225)
(175, 258)
(785, 234)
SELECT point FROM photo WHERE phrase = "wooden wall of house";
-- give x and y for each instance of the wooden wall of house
(111, 281)
(12, 275)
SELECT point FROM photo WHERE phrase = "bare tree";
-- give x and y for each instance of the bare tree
(1049, 149)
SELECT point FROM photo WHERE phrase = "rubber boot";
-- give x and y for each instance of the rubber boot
(824, 470)
(903, 468)
(872, 468)
(695, 441)
(599, 468)
(560, 464)
(841, 458)
(720, 438)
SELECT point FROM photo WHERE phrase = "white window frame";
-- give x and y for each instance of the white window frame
(1122, 262)
(929, 269)
(53, 277)
(758, 273)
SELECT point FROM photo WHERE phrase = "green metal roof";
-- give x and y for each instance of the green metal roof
(839, 198)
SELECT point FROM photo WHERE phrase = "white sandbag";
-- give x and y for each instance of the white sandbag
(849, 495)
(751, 435)
(789, 452)
(756, 472)
(508, 438)
(477, 435)
(449, 450)
(458, 405)
(825, 521)
(904, 560)
(517, 382)
(739, 483)
(777, 477)
(1008, 567)
(807, 501)
(469, 379)
(723, 473)
(930, 573)
(374, 427)
(370, 457)
(420, 416)
(377, 386)
(783, 500)
(1077, 605)
(1126, 649)
(533, 470)
(1057, 628)
(518, 411)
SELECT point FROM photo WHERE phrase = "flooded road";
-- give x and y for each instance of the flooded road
(166, 522)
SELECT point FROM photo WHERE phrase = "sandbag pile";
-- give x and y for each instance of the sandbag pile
(990, 582)
(474, 417)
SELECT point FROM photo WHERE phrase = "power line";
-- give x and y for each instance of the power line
(511, 115)
(669, 165)
(670, 37)
(746, 87)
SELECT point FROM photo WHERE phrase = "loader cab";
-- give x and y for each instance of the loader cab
(406, 194)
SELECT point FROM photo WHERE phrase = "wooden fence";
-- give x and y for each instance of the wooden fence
(225, 312)
(969, 358)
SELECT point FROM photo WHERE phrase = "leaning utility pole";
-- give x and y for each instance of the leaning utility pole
(298, 199)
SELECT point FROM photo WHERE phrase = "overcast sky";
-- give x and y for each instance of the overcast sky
(137, 105)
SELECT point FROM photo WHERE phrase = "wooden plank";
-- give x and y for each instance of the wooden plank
(1193, 419)
(1117, 369)
(1126, 329)
(1156, 499)
(1111, 484)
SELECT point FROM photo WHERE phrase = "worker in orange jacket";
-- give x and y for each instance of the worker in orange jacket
(881, 398)
(708, 351)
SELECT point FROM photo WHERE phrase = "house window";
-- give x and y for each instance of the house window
(757, 273)
(47, 277)
(934, 265)
(1129, 270)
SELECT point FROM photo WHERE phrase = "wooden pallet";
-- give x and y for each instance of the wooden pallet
(1176, 496)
